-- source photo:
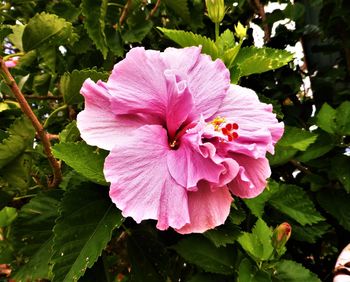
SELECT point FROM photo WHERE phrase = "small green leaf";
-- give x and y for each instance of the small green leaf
(343, 118)
(201, 252)
(71, 83)
(291, 271)
(223, 235)
(16, 36)
(325, 118)
(294, 202)
(248, 272)
(7, 215)
(310, 233)
(47, 29)
(83, 158)
(180, 8)
(323, 144)
(226, 40)
(282, 155)
(70, 133)
(336, 203)
(21, 136)
(87, 219)
(33, 235)
(137, 31)
(186, 39)
(257, 60)
(258, 243)
(94, 12)
(340, 166)
(297, 138)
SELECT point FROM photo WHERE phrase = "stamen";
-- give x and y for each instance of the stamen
(217, 122)
(228, 130)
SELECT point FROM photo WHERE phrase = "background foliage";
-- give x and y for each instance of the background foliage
(75, 233)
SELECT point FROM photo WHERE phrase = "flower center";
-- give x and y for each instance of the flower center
(227, 129)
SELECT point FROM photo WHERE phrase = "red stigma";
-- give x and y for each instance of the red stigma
(228, 130)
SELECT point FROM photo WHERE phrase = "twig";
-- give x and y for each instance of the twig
(125, 12)
(26, 109)
(299, 166)
(261, 12)
(154, 10)
(37, 97)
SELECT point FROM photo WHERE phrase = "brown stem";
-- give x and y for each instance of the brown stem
(125, 12)
(26, 109)
(261, 12)
(154, 10)
(299, 166)
(37, 97)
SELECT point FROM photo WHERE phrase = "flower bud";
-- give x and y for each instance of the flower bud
(12, 62)
(240, 30)
(281, 235)
(216, 10)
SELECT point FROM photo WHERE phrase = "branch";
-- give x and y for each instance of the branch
(37, 97)
(154, 10)
(125, 12)
(299, 166)
(26, 109)
(261, 12)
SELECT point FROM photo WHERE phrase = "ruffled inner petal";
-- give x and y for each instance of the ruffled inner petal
(141, 185)
(259, 130)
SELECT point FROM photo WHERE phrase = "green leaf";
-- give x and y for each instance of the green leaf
(310, 233)
(33, 235)
(257, 60)
(291, 271)
(343, 118)
(70, 133)
(94, 12)
(148, 256)
(137, 31)
(229, 57)
(87, 219)
(223, 235)
(323, 144)
(16, 36)
(186, 39)
(293, 201)
(258, 243)
(7, 215)
(336, 203)
(47, 29)
(248, 272)
(340, 166)
(297, 138)
(83, 158)
(21, 136)
(71, 84)
(282, 155)
(180, 8)
(226, 40)
(325, 118)
(201, 252)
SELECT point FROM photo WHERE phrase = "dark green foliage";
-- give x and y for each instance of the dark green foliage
(74, 232)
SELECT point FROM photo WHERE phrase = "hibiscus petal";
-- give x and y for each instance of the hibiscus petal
(251, 178)
(98, 124)
(208, 208)
(138, 83)
(192, 162)
(207, 80)
(180, 103)
(259, 130)
(141, 185)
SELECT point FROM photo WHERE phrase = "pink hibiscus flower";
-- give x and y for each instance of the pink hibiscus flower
(180, 137)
